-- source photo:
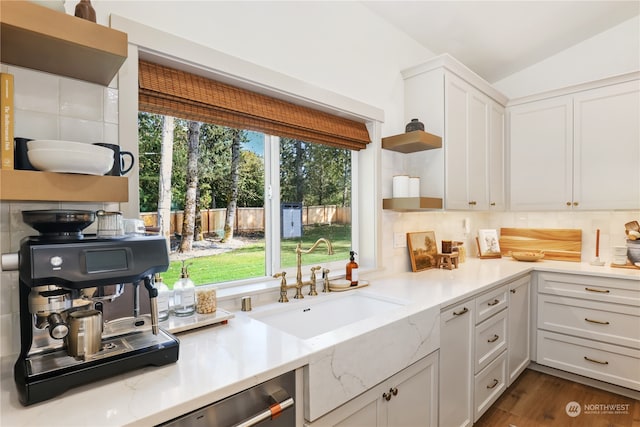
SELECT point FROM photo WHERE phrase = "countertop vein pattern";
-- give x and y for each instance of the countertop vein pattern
(221, 360)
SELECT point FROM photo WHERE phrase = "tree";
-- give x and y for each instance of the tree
(188, 224)
(164, 190)
(229, 222)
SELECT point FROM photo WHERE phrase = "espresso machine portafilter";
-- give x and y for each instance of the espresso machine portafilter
(81, 315)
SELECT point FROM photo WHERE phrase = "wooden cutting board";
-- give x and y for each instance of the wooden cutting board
(562, 244)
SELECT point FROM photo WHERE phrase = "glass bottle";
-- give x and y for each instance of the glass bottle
(184, 294)
(352, 269)
(164, 294)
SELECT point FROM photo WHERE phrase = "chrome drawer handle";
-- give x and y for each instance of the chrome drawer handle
(494, 339)
(461, 312)
(596, 361)
(599, 322)
(602, 291)
(495, 383)
(492, 303)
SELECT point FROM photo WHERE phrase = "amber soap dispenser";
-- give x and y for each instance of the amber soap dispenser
(352, 269)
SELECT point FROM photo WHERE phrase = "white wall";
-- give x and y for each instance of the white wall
(338, 46)
(612, 52)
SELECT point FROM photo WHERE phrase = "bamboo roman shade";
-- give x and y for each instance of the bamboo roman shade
(167, 91)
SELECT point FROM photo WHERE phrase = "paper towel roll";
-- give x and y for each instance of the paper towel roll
(401, 186)
(414, 186)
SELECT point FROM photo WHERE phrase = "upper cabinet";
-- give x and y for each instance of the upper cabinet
(39, 38)
(579, 150)
(456, 103)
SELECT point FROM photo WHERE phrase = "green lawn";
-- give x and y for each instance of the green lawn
(249, 261)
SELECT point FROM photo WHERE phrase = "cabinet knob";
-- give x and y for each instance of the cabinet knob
(569, 204)
(575, 203)
(493, 203)
(473, 203)
(394, 391)
(386, 396)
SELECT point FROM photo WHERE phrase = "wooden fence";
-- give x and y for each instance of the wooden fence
(251, 219)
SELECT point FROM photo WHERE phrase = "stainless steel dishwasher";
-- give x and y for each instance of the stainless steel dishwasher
(269, 404)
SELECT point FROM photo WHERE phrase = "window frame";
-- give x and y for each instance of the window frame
(158, 46)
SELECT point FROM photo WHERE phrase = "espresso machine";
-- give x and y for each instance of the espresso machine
(83, 316)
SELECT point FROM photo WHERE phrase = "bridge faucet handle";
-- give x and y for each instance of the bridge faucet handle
(312, 281)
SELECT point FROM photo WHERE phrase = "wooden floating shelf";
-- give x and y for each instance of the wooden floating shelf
(412, 142)
(412, 203)
(20, 185)
(40, 38)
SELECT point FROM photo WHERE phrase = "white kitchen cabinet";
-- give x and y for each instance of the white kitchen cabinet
(573, 151)
(589, 326)
(607, 140)
(454, 102)
(456, 364)
(541, 148)
(409, 398)
(496, 157)
(518, 327)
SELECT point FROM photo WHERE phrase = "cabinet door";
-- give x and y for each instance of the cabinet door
(456, 365)
(518, 327)
(541, 138)
(455, 142)
(496, 157)
(477, 151)
(466, 141)
(607, 147)
(414, 396)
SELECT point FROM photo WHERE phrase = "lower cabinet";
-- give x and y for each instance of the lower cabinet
(409, 398)
(484, 346)
(519, 326)
(456, 364)
(590, 326)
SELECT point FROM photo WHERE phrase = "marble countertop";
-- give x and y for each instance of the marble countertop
(217, 361)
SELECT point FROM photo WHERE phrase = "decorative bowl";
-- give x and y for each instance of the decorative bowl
(633, 251)
(69, 161)
(527, 256)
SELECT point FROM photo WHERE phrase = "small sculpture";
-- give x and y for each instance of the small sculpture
(414, 125)
(85, 10)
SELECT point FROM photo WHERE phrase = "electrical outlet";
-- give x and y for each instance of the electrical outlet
(399, 240)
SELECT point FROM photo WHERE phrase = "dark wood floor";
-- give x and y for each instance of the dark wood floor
(538, 399)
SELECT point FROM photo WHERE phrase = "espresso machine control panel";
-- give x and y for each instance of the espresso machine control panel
(91, 262)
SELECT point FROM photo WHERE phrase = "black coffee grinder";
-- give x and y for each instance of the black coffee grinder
(81, 318)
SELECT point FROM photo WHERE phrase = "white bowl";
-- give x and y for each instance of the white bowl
(68, 161)
(50, 144)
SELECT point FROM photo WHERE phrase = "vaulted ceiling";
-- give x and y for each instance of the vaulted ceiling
(498, 38)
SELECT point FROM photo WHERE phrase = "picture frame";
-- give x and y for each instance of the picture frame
(488, 243)
(423, 250)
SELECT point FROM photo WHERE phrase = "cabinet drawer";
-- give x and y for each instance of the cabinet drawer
(605, 362)
(490, 339)
(611, 323)
(603, 289)
(489, 385)
(489, 304)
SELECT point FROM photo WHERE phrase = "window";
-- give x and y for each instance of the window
(302, 158)
(313, 181)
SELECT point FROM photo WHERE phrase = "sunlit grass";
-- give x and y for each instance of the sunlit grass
(249, 261)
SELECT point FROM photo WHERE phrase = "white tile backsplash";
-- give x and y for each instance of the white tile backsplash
(35, 91)
(49, 107)
(81, 100)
